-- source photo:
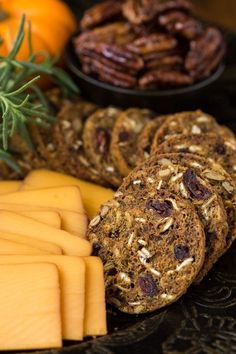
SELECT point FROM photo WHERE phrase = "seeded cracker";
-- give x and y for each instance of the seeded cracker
(210, 146)
(185, 183)
(68, 139)
(152, 249)
(145, 138)
(124, 138)
(196, 122)
(216, 176)
(97, 137)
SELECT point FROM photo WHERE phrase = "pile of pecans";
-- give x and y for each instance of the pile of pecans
(147, 44)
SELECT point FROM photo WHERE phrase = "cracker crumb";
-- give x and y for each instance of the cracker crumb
(155, 272)
(118, 194)
(138, 181)
(213, 175)
(95, 221)
(144, 253)
(195, 164)
(176, 177)
(231, 144)
(167, 225)
(183, 190)
(167, 296)
(124, 278)
(196, 129)
(185, 263)
(195, 149)
(66, 124)
(180, 147)
(203, 119)
(110, 169)
(134, 303)
(173, 202)
(228, 187)
(159, 185)
(151, 180)
(164, 173)
(142, 242)
(131, 238)
(104, 211)
(142, 220)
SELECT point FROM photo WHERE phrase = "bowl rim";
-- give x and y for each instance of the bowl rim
(72, 62)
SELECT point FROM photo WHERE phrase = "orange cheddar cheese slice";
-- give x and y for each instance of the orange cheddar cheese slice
(46, 247)
(72, 284)
(18, 224)
(13, 248)
(71, 221)
(9, 186)
(51, 218)
(29, 306)
(92, 195)
(67, 198)
(95, 306)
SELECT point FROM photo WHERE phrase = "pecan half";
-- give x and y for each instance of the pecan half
(166, 61)
(139, 11)
(164, 78)
(100, 13)
(203, 48)
(208, 66)
(178, 22)
(86, 57)
(115, 53)
(109, 75)
(173, 5)
(118, 32)
(152, 43)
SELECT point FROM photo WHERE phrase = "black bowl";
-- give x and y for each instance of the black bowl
(162, 101)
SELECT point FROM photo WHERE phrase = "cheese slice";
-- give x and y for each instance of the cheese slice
(29, 306)
(51, 218)
(12, 248)
(72, 282)
(45, 247)
(9, 186)
(18, 224)
(65, 198)
(95, 306)
(73, 222)
(92, 195)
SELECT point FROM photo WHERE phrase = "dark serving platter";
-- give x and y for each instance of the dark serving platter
(203, 320)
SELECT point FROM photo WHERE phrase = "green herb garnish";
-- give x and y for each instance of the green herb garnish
(19, 92)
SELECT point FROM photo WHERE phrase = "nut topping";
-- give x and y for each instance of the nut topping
(95, 221)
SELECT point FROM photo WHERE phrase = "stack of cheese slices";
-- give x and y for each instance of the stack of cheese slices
(51, 289)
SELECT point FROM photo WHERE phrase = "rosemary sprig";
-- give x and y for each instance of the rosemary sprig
(19, 91)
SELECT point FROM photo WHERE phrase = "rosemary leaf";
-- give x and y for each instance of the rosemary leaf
(9, 160)
(19, 92)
